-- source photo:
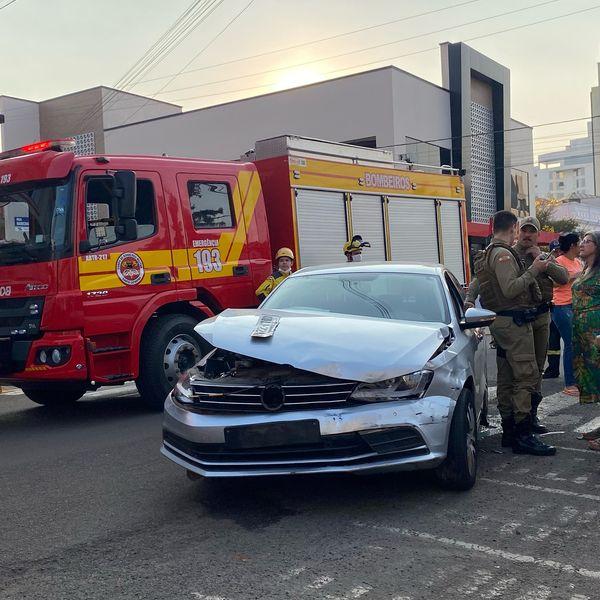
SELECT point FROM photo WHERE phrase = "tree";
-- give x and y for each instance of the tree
(544, 211)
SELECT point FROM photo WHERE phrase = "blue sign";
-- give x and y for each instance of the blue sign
(22, 224)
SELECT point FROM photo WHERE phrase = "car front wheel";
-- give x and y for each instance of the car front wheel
(459, 470)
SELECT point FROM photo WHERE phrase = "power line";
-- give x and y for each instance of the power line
(196, 14)
(230, 22)
(368, 48)
(318, 41)
(8, 4)
(391, 58)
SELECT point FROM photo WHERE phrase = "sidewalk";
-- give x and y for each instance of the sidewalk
(7, 390)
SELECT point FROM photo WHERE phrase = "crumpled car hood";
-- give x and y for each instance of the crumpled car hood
(362, 349)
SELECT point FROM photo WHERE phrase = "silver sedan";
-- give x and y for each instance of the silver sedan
(354, 368)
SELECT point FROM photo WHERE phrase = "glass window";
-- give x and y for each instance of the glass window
(100, 210)
(402, 296)
(211, 204)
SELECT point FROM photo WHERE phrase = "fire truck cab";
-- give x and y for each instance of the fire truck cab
(108, 262)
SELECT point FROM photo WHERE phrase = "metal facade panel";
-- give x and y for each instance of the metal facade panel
(413, 230)
(452, 238)
(483, 164)
(367, 220)
(321, 219)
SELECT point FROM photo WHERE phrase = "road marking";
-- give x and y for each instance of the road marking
(356, 592)
(537, 488)
(320, 582)
(589, 426)
(494, 552)
(200, 596)
(542, 592)
(292, 573)
(585, 450)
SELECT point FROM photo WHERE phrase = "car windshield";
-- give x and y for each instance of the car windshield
(402, 296)
(34, 222)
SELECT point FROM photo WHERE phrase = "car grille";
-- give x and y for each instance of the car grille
(242, 398)
(341, 449)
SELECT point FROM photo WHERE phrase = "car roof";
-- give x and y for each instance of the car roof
(373, 267)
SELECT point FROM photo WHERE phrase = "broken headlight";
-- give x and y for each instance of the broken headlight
(413, 385)
(182, 392)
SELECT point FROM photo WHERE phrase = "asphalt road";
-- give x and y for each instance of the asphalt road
(90, 509)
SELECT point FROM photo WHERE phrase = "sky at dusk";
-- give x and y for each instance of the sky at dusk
(53, 47)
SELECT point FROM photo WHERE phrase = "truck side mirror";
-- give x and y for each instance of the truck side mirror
(124, 193)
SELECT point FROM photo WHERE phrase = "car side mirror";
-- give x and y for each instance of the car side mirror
(477, 317)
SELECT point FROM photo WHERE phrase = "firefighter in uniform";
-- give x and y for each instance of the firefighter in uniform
(283, 261)
(353, 248)
(510, 290)
(527, 249)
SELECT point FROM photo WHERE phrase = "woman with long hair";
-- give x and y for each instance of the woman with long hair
(586, 322)
(562, 311)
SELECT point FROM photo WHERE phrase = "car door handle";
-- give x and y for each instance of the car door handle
(160, 278)
(240, 270)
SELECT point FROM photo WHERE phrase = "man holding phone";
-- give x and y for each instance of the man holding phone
(528, 250)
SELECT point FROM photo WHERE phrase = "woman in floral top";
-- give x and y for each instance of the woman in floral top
(586, 322)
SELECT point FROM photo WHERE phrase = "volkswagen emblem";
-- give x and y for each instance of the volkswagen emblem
(273, 397)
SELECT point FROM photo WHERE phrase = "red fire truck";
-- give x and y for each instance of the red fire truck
(108, 262)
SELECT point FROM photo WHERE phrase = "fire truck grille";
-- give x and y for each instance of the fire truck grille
(271, 398)
(20, 317)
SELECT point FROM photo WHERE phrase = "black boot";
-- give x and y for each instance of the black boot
(526, 443)
(508, 431)
(536, 426)
(553, 369)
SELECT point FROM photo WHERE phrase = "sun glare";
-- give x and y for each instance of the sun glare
(297, 77)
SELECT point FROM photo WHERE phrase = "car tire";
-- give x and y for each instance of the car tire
(459, 469)
(54, 397)
(169, 347)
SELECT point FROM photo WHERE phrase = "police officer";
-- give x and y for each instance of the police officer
(527, 248)
(353, 248)
(283, 261)
(510, 289)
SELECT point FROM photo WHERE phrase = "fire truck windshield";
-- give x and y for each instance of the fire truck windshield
(35, 222)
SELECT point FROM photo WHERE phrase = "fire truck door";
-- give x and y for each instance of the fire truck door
(117, 278)
(213, 208)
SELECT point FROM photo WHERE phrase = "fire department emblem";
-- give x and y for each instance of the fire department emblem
(130, 268)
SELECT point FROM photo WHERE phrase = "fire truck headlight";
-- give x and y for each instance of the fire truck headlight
(54, 356)
(43, 357)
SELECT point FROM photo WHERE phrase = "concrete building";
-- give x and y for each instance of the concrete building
(565, 172)
(584, 209)
(85, 115)
(595, 133)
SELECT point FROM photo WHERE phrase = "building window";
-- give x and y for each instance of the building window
(211, 204)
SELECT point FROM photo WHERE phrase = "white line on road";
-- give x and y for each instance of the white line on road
(494, 552)
(585, 450)
(200, 596)
(320, 582)
(356, 592)
(589, 426)
(538, 488)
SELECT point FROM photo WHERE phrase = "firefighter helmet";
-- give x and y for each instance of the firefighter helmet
(355, 245)
(284, 253)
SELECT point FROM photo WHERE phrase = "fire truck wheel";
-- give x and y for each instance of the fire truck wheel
(54, 397)
(170, 347)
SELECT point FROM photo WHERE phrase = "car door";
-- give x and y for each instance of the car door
(475, 339)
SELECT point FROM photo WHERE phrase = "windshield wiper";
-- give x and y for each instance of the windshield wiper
(384, 311)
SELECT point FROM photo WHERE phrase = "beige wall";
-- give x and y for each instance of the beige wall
(22, 123)
(73, 114)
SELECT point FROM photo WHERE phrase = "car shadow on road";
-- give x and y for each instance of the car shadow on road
(255, 503)
(27, 414)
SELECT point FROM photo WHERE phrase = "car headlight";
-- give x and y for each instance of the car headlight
(413, 385)
(182, 392)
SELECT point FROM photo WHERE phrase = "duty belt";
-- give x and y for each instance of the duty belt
(544, 307)
(520, 317)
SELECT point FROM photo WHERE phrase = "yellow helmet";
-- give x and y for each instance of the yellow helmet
(284, 253)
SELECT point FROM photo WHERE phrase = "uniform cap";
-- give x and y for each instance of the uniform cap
(530, 221)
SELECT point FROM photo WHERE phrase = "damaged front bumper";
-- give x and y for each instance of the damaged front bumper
(377, 437)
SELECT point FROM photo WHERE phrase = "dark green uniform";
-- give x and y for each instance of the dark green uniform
(541, 326)
(510, 290)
